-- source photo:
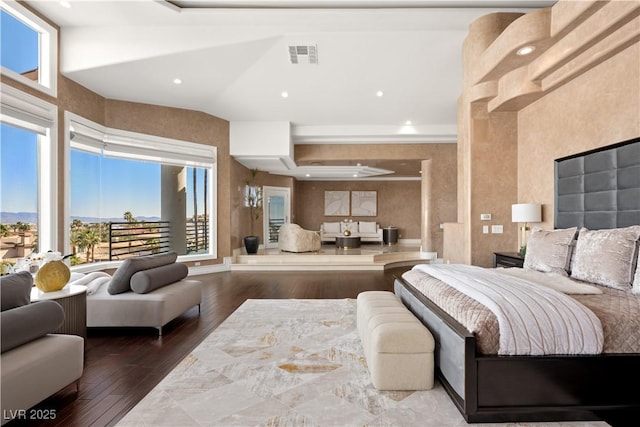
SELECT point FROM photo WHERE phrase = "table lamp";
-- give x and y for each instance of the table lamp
(525, 212)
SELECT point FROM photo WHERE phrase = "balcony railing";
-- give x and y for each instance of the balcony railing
(127, 239)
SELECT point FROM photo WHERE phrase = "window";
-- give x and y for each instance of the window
(28, 47)
(132, 194)
(27, 180)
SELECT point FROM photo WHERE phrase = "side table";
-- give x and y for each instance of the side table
(507, 259)
(73, 299)
(390, 235)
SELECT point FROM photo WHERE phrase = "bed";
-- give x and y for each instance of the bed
(597, 196)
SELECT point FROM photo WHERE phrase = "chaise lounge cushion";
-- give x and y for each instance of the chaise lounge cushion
(15, 290)
(120, 282)
(23, 324)
(154, 278)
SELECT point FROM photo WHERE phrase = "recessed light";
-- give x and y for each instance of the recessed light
(308, 175)
(379, 93)
(355, 175)
(525, 50)
(408, 123)
(177, 81)
(284, 94)
(65, 4)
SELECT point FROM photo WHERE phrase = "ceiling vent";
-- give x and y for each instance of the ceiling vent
(303, 54)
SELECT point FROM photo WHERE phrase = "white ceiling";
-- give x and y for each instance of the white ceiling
(234, 62)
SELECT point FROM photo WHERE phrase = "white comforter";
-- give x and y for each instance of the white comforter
(533, 320)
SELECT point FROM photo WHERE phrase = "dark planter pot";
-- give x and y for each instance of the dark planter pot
(251, 244)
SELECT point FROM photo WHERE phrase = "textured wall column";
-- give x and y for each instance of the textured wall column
(173, 205)
(426, 241)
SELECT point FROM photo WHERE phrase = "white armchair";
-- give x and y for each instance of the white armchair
(293, 238)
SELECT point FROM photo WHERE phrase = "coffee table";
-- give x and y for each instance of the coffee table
(348, 242)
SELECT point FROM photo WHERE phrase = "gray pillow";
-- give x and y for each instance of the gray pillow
(15, 290)
(29, 322)
(154, 278)
(120, 281)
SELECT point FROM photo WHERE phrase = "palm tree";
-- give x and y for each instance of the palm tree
(128, 216)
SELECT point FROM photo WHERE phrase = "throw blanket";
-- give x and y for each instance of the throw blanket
(533, 320)
(92, 281)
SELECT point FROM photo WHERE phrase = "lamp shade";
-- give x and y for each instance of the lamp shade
(526, 212)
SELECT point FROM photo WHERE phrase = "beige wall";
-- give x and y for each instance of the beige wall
(599, 108)
(579, 91)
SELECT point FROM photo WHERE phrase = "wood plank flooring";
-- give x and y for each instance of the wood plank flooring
(122, 365)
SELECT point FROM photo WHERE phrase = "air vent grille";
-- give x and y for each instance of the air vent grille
(303, 54)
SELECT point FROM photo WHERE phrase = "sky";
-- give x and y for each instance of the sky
(127, 185)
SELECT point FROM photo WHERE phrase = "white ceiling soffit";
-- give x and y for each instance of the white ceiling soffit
(341, 4)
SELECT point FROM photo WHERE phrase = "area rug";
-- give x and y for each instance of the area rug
(288, 363)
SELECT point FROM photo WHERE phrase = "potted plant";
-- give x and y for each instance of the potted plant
(252, 200)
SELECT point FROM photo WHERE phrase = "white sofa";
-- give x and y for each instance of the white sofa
(35, 363)
(147, 291)
(368, 231)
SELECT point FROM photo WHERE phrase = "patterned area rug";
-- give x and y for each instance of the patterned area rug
(288, 363)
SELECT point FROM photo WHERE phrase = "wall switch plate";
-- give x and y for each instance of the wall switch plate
(496, 229)
(485, 217)
(485, 229)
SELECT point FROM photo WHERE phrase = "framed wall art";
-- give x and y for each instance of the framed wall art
(364, 203)
(336, 203)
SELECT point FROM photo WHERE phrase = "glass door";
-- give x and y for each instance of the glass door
(277, 211)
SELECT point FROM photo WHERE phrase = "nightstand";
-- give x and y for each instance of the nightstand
(507, 259)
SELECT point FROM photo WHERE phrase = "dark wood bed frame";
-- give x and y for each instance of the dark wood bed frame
(488, 388)
(530, 388)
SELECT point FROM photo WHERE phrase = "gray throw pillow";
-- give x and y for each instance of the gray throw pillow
(154, 278)
(15, 290)
(120, 281)
(29, 322)
(550, 251)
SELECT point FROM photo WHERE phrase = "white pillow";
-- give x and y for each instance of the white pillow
(607, 257)
(549, 251)
(367, 227)
(331, 227)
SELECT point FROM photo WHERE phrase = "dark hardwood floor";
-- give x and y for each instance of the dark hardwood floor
(123, 364)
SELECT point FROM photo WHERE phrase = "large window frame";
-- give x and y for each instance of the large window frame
(142, 146)
(47, 52)
(28, 112)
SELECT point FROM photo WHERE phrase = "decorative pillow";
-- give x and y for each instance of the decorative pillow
(331, 227)
(29, 322)
(154, 278)
(15, 290)
(549, 251)
(607, 257)
(120, 281)
(367, 227)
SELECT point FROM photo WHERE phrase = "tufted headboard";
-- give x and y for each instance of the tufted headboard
(600, 188)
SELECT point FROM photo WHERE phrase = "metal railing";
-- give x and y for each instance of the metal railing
(274, 228)
(130, 239)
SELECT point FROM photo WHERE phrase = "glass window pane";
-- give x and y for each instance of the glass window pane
(18, 193)
(124, 207)
(19, 46)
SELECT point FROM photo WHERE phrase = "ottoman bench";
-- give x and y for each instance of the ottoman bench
(397, 346)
